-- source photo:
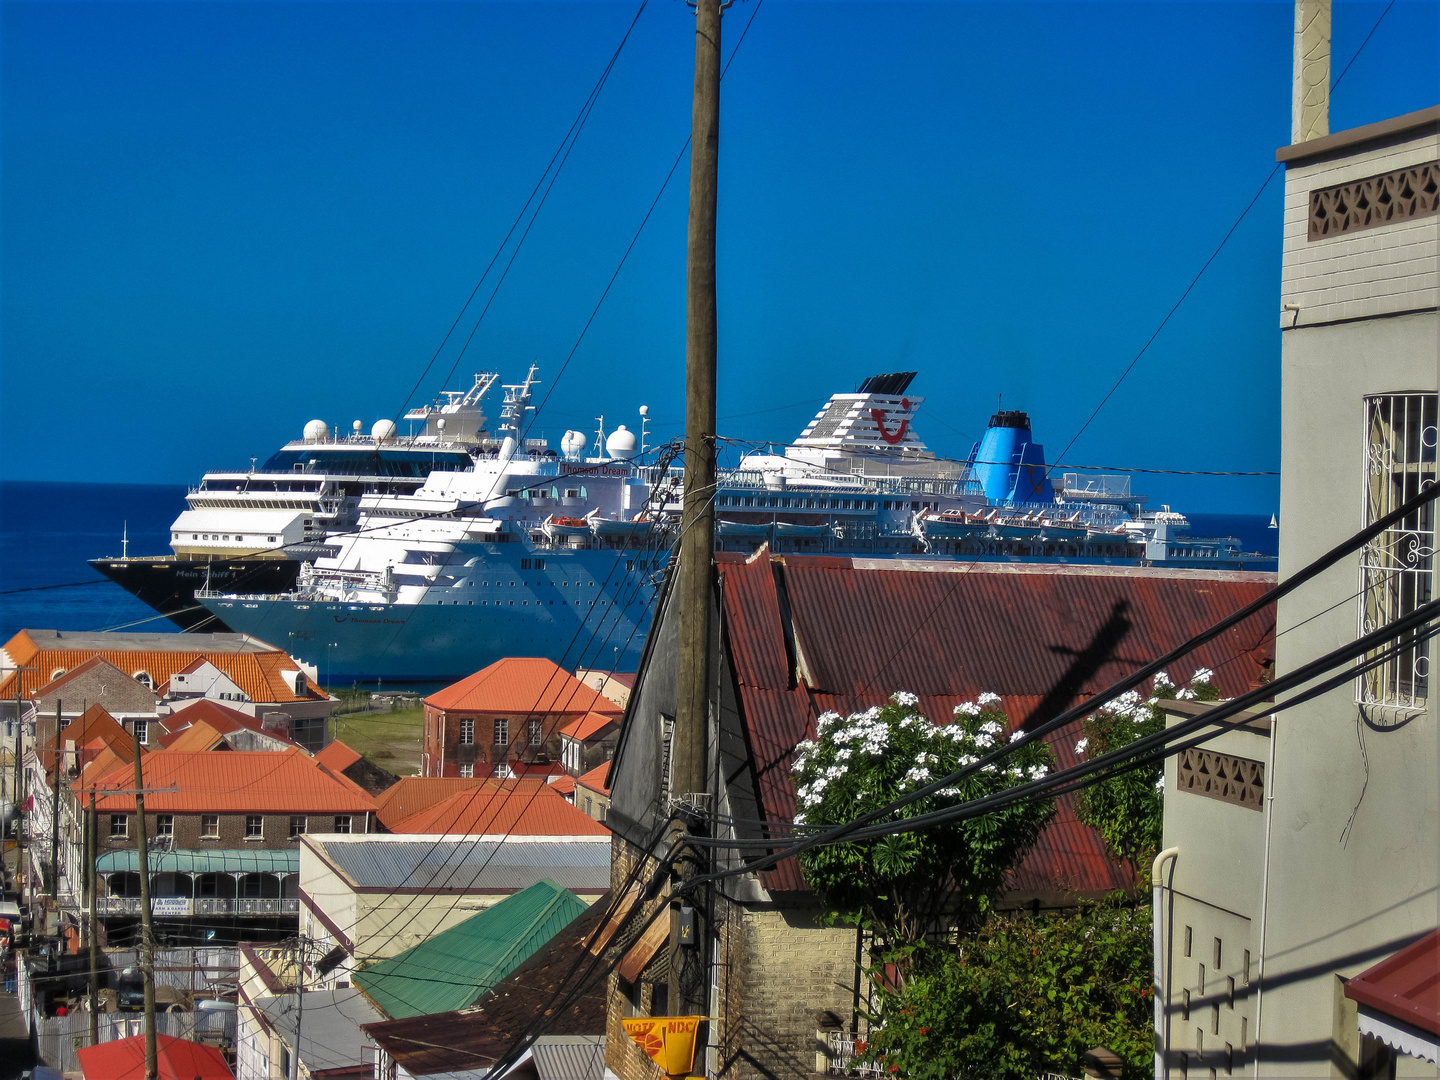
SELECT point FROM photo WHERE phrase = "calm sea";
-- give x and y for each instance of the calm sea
(48, 531)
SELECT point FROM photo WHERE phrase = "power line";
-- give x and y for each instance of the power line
(1213, 255)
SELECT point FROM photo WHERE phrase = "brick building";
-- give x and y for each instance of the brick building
(230, 832)
(797, 639)
(505, 720)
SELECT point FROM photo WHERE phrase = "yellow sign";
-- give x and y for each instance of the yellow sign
(669, 1040)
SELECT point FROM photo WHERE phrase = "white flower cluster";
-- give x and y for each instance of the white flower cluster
(967, 708)
(1162, 681)
(905, 698)
(1083, 745)
(1202, 675)
(988, 698)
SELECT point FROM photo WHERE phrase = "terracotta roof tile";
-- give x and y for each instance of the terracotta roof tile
(587, 726)
(256, 667)
(411, 794)
(522, 685)
(236, 782)
(595, 779)
(479, 813)
(337, 757)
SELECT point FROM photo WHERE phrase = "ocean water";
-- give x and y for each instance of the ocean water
(49, 530)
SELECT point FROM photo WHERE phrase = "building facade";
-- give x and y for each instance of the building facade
(1305, 847)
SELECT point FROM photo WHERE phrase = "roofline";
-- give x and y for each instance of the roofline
(1422, 121)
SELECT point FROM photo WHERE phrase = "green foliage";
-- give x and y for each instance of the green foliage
(899, 885)
(1127, 810)
(1024, 996)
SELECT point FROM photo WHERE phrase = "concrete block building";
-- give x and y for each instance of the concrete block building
(1305, 845)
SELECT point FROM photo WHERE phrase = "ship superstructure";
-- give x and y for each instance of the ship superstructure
(533, 552)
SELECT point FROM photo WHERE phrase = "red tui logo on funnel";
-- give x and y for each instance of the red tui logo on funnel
(879, 417)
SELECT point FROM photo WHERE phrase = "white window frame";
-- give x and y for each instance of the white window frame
(209, 826)
(536, 732)
(502, 732)
(123, 823)
(467, 731)
(344, 824)
(258, 821)
(164, 824)
(1397, 567)
(467, 772)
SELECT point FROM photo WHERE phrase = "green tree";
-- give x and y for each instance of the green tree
(1127, 810)
(903, 886)
(1023, 996)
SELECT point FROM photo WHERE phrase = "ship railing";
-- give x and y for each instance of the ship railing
(1097, 485)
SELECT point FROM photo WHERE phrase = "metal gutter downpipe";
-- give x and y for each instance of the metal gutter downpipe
(1265, 886)
(1162, 991)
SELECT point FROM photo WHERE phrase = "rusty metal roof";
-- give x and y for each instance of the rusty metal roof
(810, 634)
(1404, 987)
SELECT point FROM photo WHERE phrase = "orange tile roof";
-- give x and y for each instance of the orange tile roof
(412, 794)
(595, 779)
(214, 715)
(523, 685)
(66, 676)
(482, 813)
(105, 762)
(337, 757)
(583, 727)
(236, 782)
(257, 673)
(97, 723)
(564, 785)
(199, 736)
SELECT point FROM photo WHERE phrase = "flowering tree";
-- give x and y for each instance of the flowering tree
(1126, 810)
(902, 884)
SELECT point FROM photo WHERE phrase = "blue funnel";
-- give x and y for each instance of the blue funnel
(1008, 465)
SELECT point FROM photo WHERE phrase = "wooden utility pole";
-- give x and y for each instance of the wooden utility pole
(147, 951)
(55, 827)
(92, 847)
(697, 542)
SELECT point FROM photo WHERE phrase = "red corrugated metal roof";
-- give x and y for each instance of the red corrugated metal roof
(539, 813)
(1404, 987)
(1042, 637)
(219, 718)
(524, 685)
(175, 1059)
(238, 781)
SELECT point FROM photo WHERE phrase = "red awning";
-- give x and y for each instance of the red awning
(1399, 999)
(175, 1059)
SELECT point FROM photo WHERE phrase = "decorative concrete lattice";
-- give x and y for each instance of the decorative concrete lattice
(1219, 776)
(1375, 201)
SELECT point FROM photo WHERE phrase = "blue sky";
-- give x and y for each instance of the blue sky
(221, 220)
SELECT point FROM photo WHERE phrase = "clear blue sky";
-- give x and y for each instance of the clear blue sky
(221, 220)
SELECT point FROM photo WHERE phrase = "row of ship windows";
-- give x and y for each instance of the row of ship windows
(797, 502)
(526, 603)
(238, 538)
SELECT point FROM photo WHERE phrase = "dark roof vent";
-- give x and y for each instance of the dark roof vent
(895, 383)
(1011, 418)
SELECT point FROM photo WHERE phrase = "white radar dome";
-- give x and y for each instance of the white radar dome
(572, 444)
(317, 431)
(622, 444)
(382, 430)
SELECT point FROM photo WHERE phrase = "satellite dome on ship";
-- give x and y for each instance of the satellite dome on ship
(622, 444)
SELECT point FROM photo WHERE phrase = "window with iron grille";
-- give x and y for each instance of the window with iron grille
(502, 732)
(536, 733)
(467, 731)
(1397, 567)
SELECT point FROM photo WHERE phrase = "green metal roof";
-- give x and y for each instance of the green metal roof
(258, 861)
(452, 969)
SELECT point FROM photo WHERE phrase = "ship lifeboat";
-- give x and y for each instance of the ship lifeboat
(557, 527)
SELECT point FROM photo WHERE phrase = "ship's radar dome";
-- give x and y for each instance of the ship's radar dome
(382, 430)
(572, 444)
(317, 431)
(622, 444)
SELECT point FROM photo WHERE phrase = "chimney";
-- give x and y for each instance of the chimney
(1310, 92)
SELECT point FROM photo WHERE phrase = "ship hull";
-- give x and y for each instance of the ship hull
(168, 583)
(584, 609)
